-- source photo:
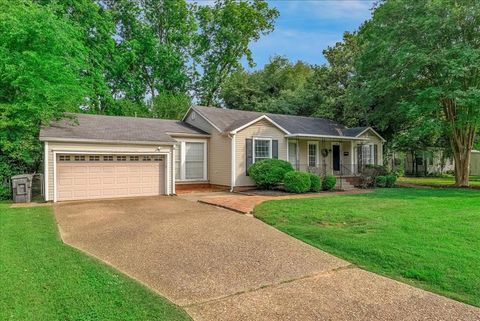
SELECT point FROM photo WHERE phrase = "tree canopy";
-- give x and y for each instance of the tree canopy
(42, 68)
(419, 63)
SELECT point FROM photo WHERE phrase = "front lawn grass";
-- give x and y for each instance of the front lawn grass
(43, 279)
(429, 238)
(445, 181)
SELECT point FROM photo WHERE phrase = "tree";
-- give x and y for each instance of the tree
(42, 64)
(154, 44)
(421, 59)
(276, 88)
(327, 90)
(226, 31)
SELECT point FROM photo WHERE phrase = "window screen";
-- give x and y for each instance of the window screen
(194, 160)
(312, 155)
(262, 149)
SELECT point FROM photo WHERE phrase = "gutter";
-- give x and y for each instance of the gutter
(232, 162)
(99, 141)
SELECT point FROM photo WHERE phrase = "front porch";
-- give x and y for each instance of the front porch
(344, 158)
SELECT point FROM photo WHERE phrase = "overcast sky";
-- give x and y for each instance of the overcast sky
(306, 27)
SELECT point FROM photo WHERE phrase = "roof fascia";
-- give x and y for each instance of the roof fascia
(236, 130)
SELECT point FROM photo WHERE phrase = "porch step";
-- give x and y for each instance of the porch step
(344, 184)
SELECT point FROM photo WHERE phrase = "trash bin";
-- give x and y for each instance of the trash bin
(22, 188)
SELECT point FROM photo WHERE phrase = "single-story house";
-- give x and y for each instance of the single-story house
(429, 161)
(99, 156)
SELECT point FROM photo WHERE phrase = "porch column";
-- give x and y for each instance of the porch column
(352, 158)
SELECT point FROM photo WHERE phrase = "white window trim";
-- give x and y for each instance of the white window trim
(372, 153)
(288, 151)
(269, 149)
(316, 153)
(182, 160)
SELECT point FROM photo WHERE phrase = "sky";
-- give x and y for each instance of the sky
(306, 27)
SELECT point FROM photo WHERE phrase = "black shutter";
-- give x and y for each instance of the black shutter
(359, 158)
(249, 153)
(375, 154)
(275, 149)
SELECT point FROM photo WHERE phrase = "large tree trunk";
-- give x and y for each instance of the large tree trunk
(461, 138)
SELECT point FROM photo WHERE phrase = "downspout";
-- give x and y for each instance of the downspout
(232, 162)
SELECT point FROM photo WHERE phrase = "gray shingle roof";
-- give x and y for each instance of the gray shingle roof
(117, 128)
(229, 119)
(353, 131)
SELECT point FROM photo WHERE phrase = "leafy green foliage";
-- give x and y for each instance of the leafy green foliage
(419, 67)
(315, 183)
(226, 30)
(269, 173)
(394, 232)
(42, 60)
(391, 179)
(277, 88)
(329, 182)
(381, 181)
(297, 182)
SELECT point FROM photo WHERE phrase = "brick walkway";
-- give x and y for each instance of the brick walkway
(245, 204)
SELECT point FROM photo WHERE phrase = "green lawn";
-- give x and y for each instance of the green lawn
(43, 279)
(426, 237)
(446, 180)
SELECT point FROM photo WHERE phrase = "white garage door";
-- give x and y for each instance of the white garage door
(82, 177)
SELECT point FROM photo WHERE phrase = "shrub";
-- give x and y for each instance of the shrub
(381, 181)
(315, 183)
(269, 172)
(5, 193)
(297, 182)
(329, 182)
(391, 180)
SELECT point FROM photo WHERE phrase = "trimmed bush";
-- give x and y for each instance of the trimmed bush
(391, 180)
(329, 182)
(381, 181)
(269, 173)
(315, 183)
(297, 182)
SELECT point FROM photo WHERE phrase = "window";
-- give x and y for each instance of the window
(147, 158)
(64, 158)
(94, 158)
(194, 160)
(108, 158)
(134, 158)
(157, 158)
(79, 158)
(312, 154)
(121, 158)
(178, 160)
(262, 149)
(368, 154)
(292, 153)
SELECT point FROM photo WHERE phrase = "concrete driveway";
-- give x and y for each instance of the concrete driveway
(220, 265)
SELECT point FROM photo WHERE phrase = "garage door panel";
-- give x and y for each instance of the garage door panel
(109, 179)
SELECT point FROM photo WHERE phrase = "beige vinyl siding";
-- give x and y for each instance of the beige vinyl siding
(260, 129)
(374, 139)
(100, 147)
(323, 162)
(218, 149)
